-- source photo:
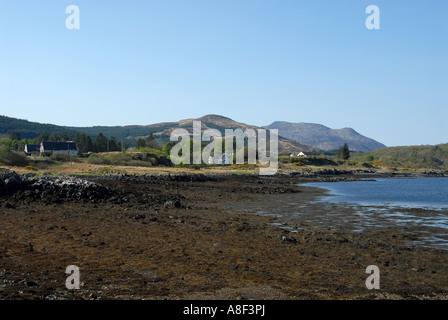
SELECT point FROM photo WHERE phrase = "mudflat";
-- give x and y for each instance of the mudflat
(194, 236)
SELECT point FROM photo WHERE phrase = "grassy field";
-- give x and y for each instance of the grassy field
(84, 166)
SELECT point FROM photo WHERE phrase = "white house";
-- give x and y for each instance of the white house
(301, 154)
(225, 159)
(32, 148)
(68, 147)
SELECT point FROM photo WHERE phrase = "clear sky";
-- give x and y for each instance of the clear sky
(255, 61)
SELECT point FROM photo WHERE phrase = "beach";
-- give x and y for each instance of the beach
(216, 236)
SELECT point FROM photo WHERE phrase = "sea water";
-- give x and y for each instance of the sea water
(429, 193)
(400, 202)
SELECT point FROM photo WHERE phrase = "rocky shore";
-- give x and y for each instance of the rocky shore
(196, 236)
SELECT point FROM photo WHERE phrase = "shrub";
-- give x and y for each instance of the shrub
(42, 164)
(143, 159)
(139, 163)
(243, 166)
(367, 165)
(104, 171)
(96, 159)
(12, 158)
(63, 157)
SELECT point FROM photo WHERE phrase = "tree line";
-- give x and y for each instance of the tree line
(84, 142)
(100, 144)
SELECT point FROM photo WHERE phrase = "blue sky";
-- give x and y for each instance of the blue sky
(255, 61)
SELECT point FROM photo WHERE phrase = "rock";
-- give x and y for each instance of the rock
(60, 187)
(139, 217)
(31, 283)
(173, 204)
(290, 240)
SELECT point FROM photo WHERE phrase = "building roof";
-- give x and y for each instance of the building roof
(56, 146)
(32, 147)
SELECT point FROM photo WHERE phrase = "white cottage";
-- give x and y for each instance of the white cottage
(68, 147)
(225, 159)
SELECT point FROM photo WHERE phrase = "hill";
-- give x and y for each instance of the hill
(323, 137)
(162, 131)
(131, 133)
(425, 156)
(30, 130)
(293, 137)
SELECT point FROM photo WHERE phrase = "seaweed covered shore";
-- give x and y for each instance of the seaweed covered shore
(196, 236)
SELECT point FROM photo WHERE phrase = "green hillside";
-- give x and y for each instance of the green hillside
(120, 132)
(30, 130)
(425, 156)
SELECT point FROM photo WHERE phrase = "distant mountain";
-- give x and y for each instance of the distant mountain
(323, 137)
(162, 131)
(293, 137)
(130, 133)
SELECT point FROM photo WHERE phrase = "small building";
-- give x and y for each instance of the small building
(301, 154)
(68, 147)
(225, 159)
(29, 148)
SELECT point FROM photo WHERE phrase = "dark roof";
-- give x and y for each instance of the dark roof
(53, 145)
(32, 147)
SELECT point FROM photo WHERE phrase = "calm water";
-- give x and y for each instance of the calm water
(392, 202)
(407, 192)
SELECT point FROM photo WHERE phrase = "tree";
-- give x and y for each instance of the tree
(344, 152)
(167, 147)
(101, 143)
(140, 143)
(84, 143)
(151, 142)
(114, 145)
(15, 136)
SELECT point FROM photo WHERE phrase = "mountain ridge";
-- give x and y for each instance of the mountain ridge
(323, 137)
(161, 131)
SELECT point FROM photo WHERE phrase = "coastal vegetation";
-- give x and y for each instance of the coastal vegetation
(411, 157)
(146, 150)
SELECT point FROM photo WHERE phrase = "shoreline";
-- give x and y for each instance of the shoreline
(308, 210)
(391, 205)
(203, 237)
